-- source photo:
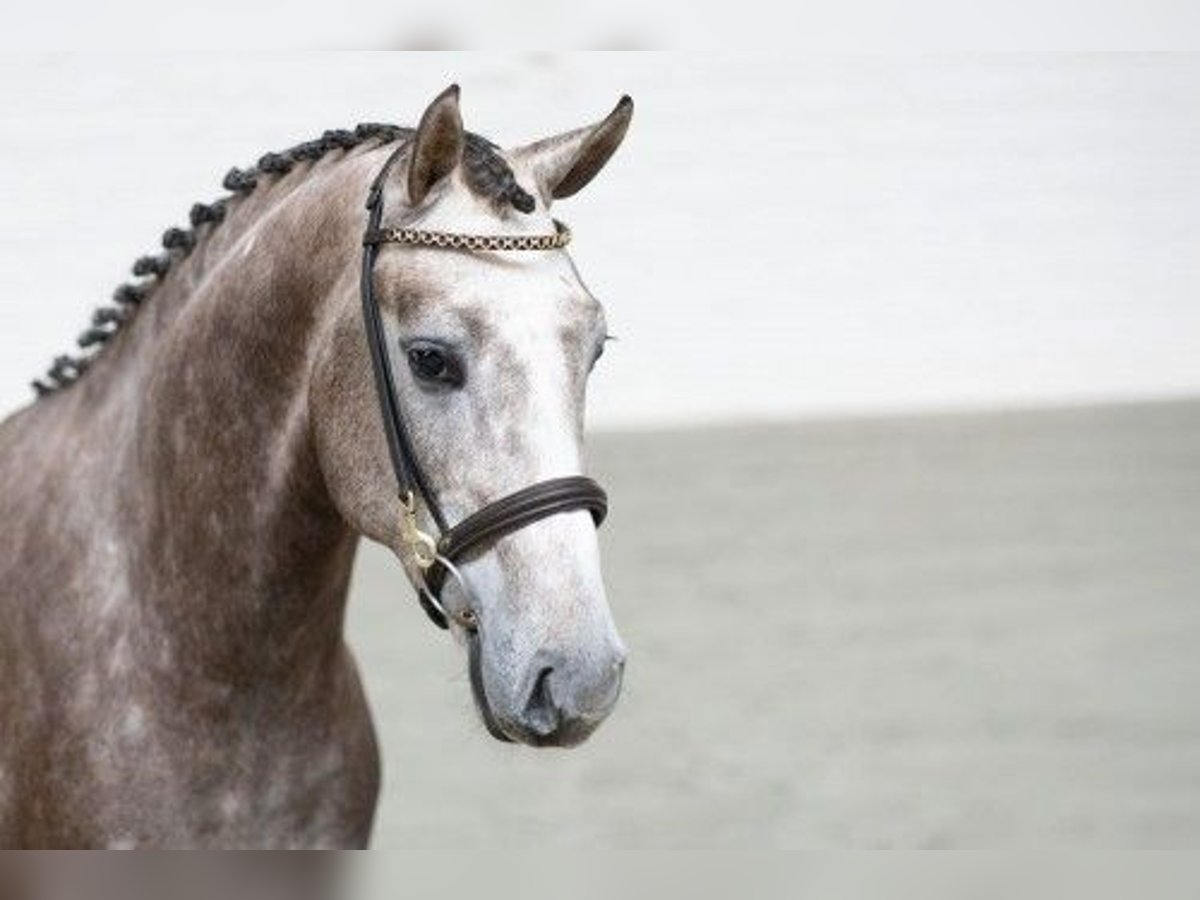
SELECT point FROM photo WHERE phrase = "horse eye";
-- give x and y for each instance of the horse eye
(432, 364)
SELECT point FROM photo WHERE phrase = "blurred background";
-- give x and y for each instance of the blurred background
(900, 429)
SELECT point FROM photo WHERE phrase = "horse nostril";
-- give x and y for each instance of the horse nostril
(540, 695)
(540, 711)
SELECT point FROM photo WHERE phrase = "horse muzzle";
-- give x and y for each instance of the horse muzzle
(558, 702)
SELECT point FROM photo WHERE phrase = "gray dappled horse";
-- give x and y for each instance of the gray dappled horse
(180, 520)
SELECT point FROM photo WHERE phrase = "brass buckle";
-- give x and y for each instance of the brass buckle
(421, 545)
(424, 550)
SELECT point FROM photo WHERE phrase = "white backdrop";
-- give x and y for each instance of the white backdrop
(779, 236)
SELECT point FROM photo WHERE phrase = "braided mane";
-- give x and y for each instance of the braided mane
(486, 171)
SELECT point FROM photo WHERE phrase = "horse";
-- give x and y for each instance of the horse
(183, 501)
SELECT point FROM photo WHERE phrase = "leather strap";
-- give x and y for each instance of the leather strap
(526, 506)
(410, 480)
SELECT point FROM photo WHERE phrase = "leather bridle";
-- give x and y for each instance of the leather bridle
(435, 556)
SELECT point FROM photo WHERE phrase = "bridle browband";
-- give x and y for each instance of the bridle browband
(435, 556)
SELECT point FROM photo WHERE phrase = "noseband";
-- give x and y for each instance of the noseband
(435, 556)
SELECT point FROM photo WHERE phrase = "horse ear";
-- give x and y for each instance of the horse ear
(565, 163)
(437, 145)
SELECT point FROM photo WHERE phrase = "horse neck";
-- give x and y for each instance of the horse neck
(222, 495)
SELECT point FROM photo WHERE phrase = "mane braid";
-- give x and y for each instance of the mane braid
(486, 172)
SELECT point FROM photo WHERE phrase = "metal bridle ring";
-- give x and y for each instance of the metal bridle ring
(467, 617)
